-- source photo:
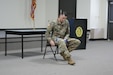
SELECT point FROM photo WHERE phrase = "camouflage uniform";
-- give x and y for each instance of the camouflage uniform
(59, 33)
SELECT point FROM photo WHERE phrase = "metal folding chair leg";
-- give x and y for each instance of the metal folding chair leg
(54, 52)
(44, 52)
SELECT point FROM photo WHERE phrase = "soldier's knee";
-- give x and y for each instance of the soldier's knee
(75, 41)
(78, 41)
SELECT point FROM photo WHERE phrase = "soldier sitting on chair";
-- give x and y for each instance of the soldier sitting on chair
(60, 30)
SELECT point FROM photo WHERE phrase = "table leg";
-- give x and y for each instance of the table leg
(41, 42)
(5, 44)
(22, 46)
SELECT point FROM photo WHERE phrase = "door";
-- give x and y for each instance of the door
(110, 20)
(68, 6)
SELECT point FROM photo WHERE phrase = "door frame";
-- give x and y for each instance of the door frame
(108, 25)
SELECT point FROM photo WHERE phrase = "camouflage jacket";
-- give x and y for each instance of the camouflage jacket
(58, 30)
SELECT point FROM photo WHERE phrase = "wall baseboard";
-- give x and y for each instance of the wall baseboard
(98, 39)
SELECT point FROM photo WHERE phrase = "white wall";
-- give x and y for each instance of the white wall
(11, 14)
(96, 13)
(98, 16)
(51, 10)
(16, 13)
(104, 15)
(83, 10)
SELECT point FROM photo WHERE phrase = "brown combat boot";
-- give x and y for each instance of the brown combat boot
(70, 61)
(62, 54)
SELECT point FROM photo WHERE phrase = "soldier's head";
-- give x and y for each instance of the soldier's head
(62, 17)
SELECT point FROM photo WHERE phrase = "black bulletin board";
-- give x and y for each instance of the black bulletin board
(78, 29)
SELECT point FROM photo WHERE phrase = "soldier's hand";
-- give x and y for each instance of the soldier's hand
(52, 43)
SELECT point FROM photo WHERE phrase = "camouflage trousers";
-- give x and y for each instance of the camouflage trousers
(68, 46)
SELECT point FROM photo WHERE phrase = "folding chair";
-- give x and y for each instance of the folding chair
(56, 51)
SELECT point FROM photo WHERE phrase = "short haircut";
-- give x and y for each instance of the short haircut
(65, 13)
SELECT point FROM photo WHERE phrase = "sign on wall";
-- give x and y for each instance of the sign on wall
(78, 29)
